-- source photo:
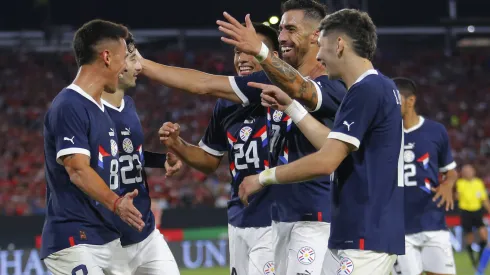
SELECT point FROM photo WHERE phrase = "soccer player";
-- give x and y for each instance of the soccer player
(301, 212)
(239, 131)
(426, 154)
(81, 152)
(147, 250)
(364, 149)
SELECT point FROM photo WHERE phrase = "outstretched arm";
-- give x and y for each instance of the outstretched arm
(279, 72)
(192, 81)
(192, 155)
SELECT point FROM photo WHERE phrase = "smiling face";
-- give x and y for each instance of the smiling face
(129, 75)
(295, 32)
(330, 53)
(246, 64)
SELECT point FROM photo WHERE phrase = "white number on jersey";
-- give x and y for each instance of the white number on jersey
(129, 167)
(276, 129)
(114, 175)
(251, 155)
(410, 172)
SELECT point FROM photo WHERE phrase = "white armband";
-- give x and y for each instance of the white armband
(268, 177)
(296, 111)
(263, 54)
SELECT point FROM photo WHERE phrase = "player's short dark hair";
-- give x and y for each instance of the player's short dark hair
(358, 26)
(406, 86)
(130, 43)
(270, 33)
(311, 8)
(92, 33)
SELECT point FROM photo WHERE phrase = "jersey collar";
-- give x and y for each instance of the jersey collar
(366, 73)
(79, 90)
(415, 127)
(119, 109)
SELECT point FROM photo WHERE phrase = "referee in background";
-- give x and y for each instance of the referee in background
(472, 195)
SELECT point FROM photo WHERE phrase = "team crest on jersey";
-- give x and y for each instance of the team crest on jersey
(269, 268)
(127, 146)
(277, 116)
(408, 156)
(346, 266)
(245, 133)
(113, 148)
(306, 255)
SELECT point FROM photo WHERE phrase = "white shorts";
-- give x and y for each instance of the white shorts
(151, 256)
(429, 251)
(301, 248)
(362, 262)
(251, 250)
(83, 259)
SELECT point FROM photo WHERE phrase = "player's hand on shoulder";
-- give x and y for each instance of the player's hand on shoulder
(250, 185)
(172, 165)
(125, 209)
(444, 193)
(244, 38)
(169, 133)
(272, 96)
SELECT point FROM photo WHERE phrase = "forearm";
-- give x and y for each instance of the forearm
(195, 157)
(306, 168)
(486, 204)
(192, 81)
(314, 131)
(87, 180)
(290, 81)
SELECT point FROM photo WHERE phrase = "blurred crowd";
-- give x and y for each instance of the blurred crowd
(454, 91)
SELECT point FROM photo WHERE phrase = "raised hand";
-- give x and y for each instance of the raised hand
(272, 96)
(244, 38)
(169, 133)
(172, 165)
(125, 209)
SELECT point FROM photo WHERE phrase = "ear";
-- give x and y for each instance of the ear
(106, 57)
(275, 53)
(340, 46)
(314, 37)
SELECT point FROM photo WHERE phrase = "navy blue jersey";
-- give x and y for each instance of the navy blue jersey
(131, 162)
(242, 132)
(427, 153)
(367, 192)
(76, 124)
(308, 200)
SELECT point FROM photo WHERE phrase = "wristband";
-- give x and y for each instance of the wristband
(268, 177)
(296, 111)
(115, 204)
(263, 54)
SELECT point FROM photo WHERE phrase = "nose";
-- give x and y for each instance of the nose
(283, 36)
(243, 57)
(138, 67)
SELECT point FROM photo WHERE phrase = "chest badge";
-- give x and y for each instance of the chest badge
(277, 116)
(127, 146)
(245, 133)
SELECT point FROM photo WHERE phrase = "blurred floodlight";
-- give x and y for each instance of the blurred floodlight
(274, 20)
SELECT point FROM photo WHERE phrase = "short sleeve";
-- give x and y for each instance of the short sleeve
(445, 157)
(483, 190)
(70, 127)
(243, 91)
(214, 140)
(330, 94)
(355, 114)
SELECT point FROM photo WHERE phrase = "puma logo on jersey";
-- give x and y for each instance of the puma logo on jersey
(111, 132)
(409, 146)
(69, 139)
(127, 132)
(348, 125)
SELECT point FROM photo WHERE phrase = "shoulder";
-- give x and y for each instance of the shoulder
(435, 127)
(260, 77)
(335, 87)
(128, 101)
